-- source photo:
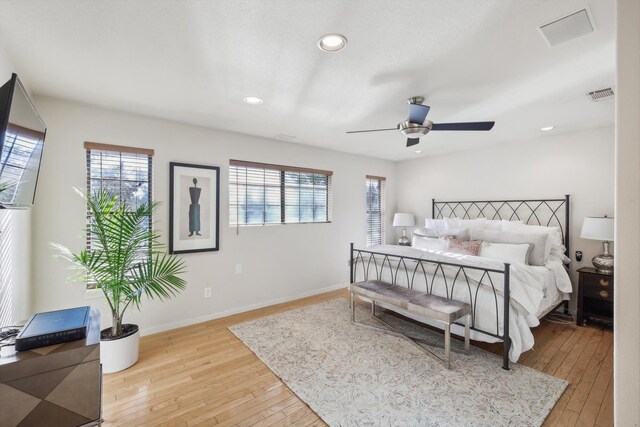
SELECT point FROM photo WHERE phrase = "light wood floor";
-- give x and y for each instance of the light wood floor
(202, 375)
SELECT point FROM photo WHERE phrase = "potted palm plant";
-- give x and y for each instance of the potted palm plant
(125, 262)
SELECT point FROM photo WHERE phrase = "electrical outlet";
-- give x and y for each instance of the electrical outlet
(207, 292)
(238, 268)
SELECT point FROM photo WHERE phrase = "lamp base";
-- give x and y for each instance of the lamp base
(404, 241)
(603, 263)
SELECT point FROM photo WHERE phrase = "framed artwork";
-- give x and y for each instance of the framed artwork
(194, 208)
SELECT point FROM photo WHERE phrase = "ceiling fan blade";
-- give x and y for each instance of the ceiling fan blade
(371, 130)
(463, 126)
(412, 141)
(417, 113)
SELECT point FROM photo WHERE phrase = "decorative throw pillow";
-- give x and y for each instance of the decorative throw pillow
(463, 247)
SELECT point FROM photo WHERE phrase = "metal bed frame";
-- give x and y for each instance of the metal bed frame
(546, 212)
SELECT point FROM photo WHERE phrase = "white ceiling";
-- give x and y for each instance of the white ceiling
(194, 62)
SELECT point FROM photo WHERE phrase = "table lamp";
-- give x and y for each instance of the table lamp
(403, 220)
(597, 228)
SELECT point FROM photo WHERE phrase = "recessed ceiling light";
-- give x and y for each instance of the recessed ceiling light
(418, 151)
(332, 42)
(547, 128)
(253, 100)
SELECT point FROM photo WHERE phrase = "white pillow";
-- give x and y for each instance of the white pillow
(554, 243)
(493, 224)
(429, 243)
(507, 252)
(509, 222)
(460, 234)
(436, 224)
(456, 223)
(554, 256)
(538, 254)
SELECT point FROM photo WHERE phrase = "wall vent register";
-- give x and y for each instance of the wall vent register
(600, 95)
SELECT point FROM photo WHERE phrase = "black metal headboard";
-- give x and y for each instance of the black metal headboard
(547, 212)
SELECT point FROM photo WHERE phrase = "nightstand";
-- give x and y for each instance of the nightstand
(595, 296)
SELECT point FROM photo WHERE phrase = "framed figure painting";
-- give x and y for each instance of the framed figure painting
(194, 211)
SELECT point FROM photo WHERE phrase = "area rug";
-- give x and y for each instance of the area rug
(353, 376)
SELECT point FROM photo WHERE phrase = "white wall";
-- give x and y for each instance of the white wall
(278, 262)
(627, 268)
(15, 266)
(579, 164)
(6, 66)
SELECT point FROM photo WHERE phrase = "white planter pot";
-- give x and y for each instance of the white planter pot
(117, 355)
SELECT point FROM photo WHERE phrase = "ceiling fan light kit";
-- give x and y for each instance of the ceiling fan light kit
(417, 125)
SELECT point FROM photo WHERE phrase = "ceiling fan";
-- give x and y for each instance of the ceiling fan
(417, 125)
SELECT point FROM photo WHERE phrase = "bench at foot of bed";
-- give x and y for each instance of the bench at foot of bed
(423, 304)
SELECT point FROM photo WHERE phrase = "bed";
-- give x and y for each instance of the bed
(529, 291)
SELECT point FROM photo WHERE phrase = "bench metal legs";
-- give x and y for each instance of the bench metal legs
(447, 345)
(447, 339)
(390, 330)
(353, 308)
(467, 332)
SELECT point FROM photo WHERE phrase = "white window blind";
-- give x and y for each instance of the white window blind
(122, 171)
(19, 160)
(262, 194)
(375, 210)
(125, 171)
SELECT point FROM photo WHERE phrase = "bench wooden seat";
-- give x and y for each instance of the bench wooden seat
(429, 306)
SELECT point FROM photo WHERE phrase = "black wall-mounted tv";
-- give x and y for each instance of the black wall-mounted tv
(22, 134)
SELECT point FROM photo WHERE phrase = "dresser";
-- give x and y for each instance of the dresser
(54, 386)
(595, 296)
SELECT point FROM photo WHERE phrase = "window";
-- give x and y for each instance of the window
(375, 210)
(262, 194)
(125, 171)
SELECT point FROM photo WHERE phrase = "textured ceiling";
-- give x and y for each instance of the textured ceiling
(194, 61)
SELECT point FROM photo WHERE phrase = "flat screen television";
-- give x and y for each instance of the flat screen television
(22, 134)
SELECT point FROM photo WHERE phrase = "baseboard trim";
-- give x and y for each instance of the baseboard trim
(220, 314)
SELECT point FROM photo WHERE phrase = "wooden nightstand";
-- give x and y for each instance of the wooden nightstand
(595, 296)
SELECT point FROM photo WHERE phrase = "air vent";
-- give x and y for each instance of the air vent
(569, 27)
(600, 95)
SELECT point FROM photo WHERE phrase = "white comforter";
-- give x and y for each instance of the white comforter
(527, 289)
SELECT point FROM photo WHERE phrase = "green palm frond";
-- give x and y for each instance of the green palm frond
(125, 259)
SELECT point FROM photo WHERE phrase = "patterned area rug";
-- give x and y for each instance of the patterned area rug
(352, 376)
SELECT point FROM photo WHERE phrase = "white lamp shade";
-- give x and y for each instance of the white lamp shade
(595, 228)
(403, 220)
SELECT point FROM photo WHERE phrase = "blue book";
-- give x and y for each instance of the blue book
(54, 327)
